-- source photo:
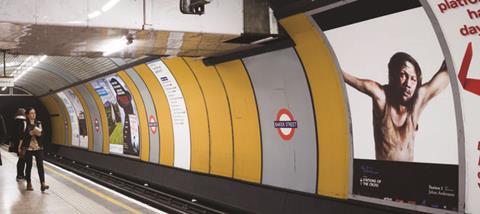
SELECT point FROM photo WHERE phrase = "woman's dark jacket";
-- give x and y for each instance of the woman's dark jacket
(27, 137)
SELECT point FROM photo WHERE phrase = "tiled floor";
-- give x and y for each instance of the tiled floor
(68, 193)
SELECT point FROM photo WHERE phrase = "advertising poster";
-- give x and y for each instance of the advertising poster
(178, 111)
(404, 133)
(80, 114)
(73, 118)
(459, 22)
(121, 115)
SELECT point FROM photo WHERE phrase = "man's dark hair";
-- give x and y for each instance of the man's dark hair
(397, 61)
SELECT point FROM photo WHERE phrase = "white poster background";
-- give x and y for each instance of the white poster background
(73, 119)
(78, 112)
(178, 112)
(451, 21)
(364, 50)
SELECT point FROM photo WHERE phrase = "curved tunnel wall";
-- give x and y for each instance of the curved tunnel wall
(85, 119)
(162, 116)
(93, 124)
(289, 156)
(278, 119)
(153, 136)
(219, 118)
(223, 104)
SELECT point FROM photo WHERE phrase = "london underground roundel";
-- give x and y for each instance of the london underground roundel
(285, 124)
(153, 124)
(97, 125)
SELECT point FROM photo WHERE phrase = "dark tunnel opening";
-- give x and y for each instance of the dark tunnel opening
(8, 107)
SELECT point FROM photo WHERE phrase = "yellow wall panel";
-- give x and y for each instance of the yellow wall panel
(165, 126)
(66, 117)
(57, 122)
(246, 128)
(142, 115)
(220, 124)
(197, 114)
(329, 105)
(87, 117)
(103, 118)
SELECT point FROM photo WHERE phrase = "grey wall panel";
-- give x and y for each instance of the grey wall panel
(150, 109)
(279, 82)
(94, 114)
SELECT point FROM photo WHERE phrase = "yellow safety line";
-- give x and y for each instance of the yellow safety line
(106, 197)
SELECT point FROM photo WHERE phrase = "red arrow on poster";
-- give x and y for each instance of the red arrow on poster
(469, 84)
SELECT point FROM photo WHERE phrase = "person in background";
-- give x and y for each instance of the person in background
(33, 146)
(20, 124)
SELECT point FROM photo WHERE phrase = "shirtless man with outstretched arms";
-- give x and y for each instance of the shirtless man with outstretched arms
(398, 105)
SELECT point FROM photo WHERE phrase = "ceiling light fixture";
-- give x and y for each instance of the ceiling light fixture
(117, 45)
(106, 7)
(109, 5)
(94, 14)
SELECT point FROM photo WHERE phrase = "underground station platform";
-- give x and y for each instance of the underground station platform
(240, 106)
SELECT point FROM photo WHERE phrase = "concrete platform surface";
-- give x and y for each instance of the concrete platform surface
(68, 193)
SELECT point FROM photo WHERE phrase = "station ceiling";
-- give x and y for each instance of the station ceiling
(75, 54)
(54, 72)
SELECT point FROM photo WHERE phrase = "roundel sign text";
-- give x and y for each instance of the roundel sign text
(285, 124)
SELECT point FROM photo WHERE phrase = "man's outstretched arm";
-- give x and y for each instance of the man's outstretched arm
(437, 84)
(369, 87)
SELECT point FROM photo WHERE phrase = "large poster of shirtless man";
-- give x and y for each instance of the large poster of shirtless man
(401, 108)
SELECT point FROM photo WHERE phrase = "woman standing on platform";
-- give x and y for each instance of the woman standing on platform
(32, 146)
(20, 123)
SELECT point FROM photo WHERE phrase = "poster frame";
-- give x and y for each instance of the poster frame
(457, 108)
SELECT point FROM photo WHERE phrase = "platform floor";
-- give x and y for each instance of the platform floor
(68, 193)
